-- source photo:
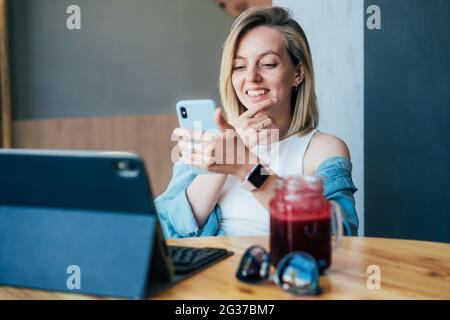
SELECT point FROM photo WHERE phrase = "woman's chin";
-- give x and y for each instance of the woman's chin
(251, 104)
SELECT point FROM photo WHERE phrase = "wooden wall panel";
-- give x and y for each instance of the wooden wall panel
(147, 135)
(5, 94)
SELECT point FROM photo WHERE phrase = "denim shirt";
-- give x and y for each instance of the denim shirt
(178, 221)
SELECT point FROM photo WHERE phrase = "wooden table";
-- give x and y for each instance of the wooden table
(409, 270)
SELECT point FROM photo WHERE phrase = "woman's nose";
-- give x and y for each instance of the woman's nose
(253, 75)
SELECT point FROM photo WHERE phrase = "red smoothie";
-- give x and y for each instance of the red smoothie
(300, 221)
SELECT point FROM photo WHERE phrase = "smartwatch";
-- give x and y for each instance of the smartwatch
(255, 178)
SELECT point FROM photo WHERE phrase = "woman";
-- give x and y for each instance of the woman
(267, 87)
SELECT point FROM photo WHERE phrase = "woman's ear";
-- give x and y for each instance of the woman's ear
(299, 75)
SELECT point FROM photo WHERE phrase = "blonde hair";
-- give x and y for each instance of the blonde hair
(303, 101)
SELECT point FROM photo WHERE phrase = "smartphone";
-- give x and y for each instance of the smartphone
(197, 114)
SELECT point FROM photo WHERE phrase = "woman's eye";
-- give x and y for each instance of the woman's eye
(269, 65)
(238, 68)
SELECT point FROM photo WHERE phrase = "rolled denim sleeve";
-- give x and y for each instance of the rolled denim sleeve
(336, 173)
(174, 210)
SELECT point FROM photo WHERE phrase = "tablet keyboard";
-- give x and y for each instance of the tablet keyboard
(187, 259)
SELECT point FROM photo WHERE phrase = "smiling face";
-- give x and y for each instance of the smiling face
(263, 70)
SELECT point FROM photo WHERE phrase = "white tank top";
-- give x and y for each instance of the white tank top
(242, 214)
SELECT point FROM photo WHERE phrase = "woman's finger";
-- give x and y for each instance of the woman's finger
(268, 136)
(259, 107)
(221, 123)
(260, 123)
(265, 124)
(196, 148)
(191, 147)
(199, 160)
(260, 117)
(187, 134)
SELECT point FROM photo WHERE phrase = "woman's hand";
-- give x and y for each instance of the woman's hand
(255, 127)
(221, 152)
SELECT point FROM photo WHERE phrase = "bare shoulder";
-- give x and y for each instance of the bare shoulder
(322, 147)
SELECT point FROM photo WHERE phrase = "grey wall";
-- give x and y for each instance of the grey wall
(386, 93)
(130, 57)
(407, 136)
(336, 36)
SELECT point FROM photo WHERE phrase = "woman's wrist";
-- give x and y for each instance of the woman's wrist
(245, 164)
(243, 170)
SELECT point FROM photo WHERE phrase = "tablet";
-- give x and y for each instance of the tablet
(81, 222)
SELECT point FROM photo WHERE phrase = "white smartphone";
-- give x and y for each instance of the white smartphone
(197, 114)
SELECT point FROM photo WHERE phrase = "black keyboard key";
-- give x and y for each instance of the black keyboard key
(186, 259)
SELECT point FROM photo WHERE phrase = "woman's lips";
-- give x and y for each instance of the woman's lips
(257, 95)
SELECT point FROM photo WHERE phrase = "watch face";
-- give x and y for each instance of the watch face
(258, 176)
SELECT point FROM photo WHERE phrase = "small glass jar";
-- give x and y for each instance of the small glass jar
(300, 220)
